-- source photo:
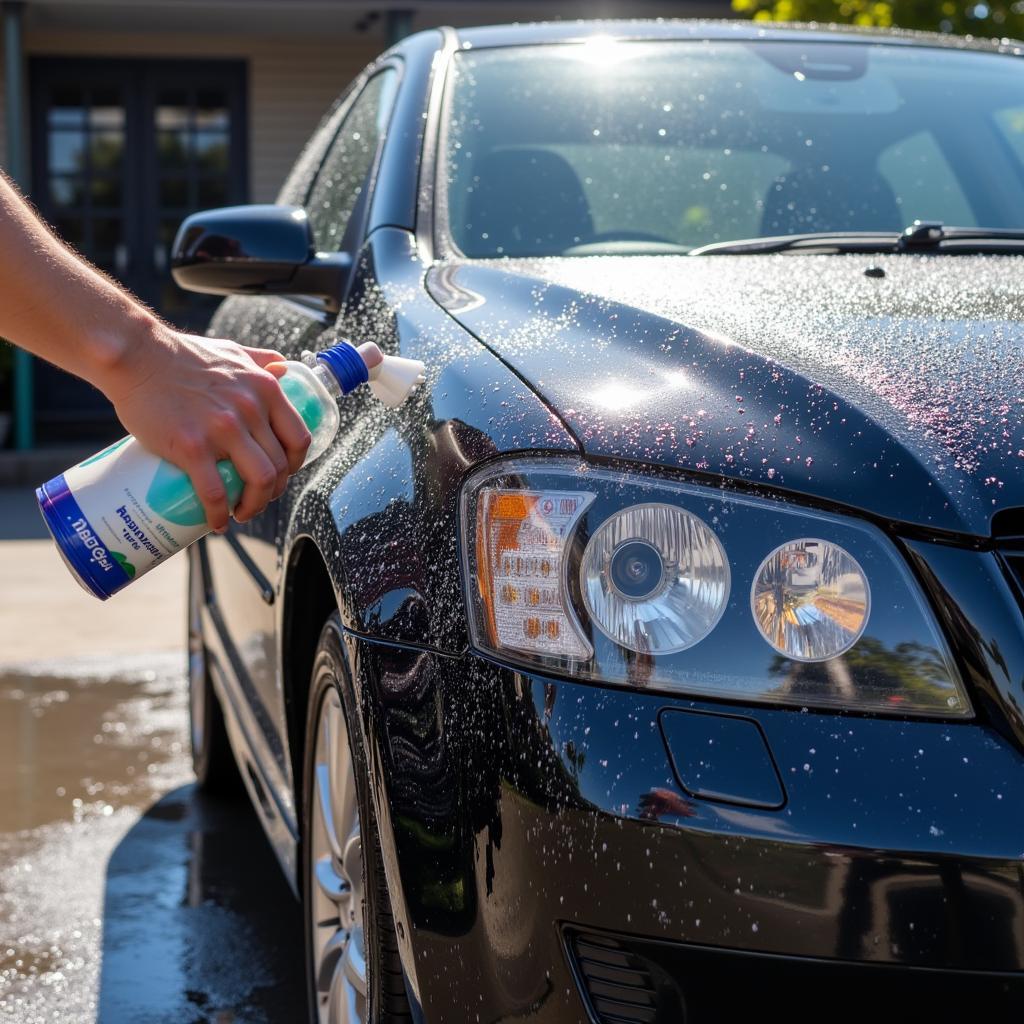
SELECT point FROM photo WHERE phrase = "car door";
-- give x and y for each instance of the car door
(244, 564)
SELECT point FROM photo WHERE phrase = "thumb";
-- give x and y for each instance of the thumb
(263, 356)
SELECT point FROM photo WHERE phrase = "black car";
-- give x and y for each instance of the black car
(663, 659)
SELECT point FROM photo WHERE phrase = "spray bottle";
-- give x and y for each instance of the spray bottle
(123, 510)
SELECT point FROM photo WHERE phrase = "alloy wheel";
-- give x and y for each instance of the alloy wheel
(336, 874)
(196, 661)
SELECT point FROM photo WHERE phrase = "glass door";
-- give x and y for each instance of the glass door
(196, 149)
(122, 152)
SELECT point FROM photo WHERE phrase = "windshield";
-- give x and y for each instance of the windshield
(625, 147)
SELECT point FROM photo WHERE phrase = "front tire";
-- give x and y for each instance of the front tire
(352, 963)
(212, 759)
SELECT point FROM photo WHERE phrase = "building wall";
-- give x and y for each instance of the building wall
(291, 82)
(293, 78)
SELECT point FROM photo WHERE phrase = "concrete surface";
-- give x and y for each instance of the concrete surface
(126, 897)
(44, 613)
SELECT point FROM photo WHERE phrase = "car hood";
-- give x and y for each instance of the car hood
(900, 393)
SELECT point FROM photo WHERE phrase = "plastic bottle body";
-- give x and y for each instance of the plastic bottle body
(123, 511)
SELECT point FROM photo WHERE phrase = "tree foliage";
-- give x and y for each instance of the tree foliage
(985, 18)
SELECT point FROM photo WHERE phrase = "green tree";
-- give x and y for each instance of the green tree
(987, 18)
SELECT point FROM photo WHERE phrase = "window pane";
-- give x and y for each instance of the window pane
(106, 234)
(67, 151)
(1011, 126)
(66, 117)
(71, 230)
(107, 117)
(172, 148)
(211, 110)
(67, 191)
(212, 192)
(172, 109)
(587, 149)
(168, 231)
(174, 192)
(106, 97)
(923, 181)
(107, 192)
(107, 151)
(212, 151)
(344, 171)
(67, 108)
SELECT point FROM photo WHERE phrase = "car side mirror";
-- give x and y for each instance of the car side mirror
(256, 250)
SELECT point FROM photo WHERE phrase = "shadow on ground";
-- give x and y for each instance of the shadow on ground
(199, 924)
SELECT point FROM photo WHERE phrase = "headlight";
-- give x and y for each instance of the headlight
(654, 579)
(636, 581)
(810, 600)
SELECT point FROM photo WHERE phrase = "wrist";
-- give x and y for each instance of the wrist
(123, 356)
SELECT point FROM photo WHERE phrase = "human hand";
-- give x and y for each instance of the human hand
(195, 400)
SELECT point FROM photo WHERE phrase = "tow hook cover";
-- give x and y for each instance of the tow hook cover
(724, 758)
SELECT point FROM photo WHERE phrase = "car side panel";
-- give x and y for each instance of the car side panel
(381, 504)
(391, 485)
(245, 564)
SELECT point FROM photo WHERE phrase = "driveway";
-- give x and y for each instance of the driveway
(124, 895)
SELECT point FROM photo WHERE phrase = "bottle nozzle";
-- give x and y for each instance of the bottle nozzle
(393, 378)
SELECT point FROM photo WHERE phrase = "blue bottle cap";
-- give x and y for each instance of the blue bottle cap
(346, 364)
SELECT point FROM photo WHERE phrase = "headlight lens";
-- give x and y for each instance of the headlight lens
(631, 580)
(521, 550)
(654, 579)
(810, 600)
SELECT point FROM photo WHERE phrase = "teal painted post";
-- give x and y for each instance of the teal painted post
(14, 106)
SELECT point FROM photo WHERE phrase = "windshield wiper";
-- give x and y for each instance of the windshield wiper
(921, 236)
(930, 234)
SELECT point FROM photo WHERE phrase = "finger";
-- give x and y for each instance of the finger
(290, 430)
(257, 421)
(263, 356)
(209, 488)
(267, 440)
(257, 471)
(272, 420)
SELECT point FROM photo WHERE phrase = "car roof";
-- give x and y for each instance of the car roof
(533, 33)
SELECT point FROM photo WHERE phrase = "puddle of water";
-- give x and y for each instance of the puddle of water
(84, 737)
(125, 895)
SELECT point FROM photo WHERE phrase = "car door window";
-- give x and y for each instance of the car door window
(345, 169)
(300, 178)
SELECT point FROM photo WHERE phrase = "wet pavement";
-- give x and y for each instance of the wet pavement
(125, 895)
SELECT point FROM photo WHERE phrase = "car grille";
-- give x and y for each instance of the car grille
(620, 986)
(625, 979)
(1014, 561)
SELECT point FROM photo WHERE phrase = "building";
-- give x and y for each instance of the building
(122, 116)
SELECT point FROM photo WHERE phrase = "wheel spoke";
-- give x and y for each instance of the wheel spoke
(332, 885)
(353, 965)
(343, 800)
(352, 867)
(330, 959)
(352, 856)
(323, 794)
(336, 869)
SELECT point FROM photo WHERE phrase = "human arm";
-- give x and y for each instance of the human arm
(188, 399)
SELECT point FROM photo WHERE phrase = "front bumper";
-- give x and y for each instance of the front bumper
(516, 808)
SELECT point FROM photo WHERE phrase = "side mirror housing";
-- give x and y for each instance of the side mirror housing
(256, 250)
